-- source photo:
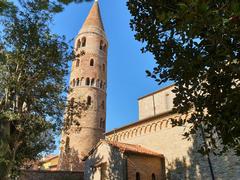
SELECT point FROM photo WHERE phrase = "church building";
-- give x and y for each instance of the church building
(149, 148)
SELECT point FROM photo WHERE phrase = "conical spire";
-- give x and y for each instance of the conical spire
(94, 17)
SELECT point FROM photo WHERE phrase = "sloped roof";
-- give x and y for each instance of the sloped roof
(134, 148)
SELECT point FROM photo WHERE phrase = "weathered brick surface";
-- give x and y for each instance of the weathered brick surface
(82, 140)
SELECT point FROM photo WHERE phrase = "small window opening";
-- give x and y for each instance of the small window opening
(78, 44)
(101, 45)
(153, 176)
(101, 84)
(83, 42)
(92, 82)
(103, 67)
(74, 82)
(103, 105)
(137, 176)
(87, 82)
(91, 62)
(77, 84)
(89, 100)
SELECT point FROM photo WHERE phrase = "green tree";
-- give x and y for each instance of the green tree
(196, 45)
(33, 63)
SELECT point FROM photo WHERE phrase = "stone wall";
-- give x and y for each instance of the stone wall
(146, 166)
(156, 103)
(50, 175)
(181, 157)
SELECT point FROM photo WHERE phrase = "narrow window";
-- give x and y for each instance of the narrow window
(92, 82)
(71, 103)
(83, 42)
(97, 84)
(103, 67)
(100, 84)
(81, 81)
(78, 44)
(91, 62)
(153, 176)
(77, 62)
(101, 45)
(102, 123)
(77, 84)
(89, 100)
(137, 176)
(74, 82)
(104, 48)
(103, 105)
(87, 82)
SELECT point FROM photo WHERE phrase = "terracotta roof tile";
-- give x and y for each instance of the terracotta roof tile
(124, 147)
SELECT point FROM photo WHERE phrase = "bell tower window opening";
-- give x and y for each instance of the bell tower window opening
(102, 123)
(92, 82)
(153, 176)
(87, 83)
(103, 67)
(101, 84)
(83, 41)
(78, 82)
(137, 176)
(89, 100)
(101, 45)
(103, 105)
(78, 44)
(74, 82)
(91, 62)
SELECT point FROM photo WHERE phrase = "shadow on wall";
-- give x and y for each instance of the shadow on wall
(110, 168)
(226, 166)
(69, 160)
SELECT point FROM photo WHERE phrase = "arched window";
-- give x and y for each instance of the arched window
(102, 123)
(89, 100)
(153, 176)
(97, 84)
(104, 47)
(78, 44)
(103, 105)
(74, 82)
(87, 82)
(81, 81)
(77, 62)
(101, 45)
(91, 62)
(100, 84)
(77, 84)
(103, 66)
(83, 41)
(92, 82)
(137, 176)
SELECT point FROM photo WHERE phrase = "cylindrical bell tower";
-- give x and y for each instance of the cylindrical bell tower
(88, 81)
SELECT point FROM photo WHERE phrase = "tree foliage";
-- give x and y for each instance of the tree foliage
(196, 45)
(33, 64)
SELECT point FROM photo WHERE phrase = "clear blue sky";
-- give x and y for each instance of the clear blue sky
(127, 79)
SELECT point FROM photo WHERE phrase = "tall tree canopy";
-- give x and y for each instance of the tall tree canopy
(33, 64)
(196, 45)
